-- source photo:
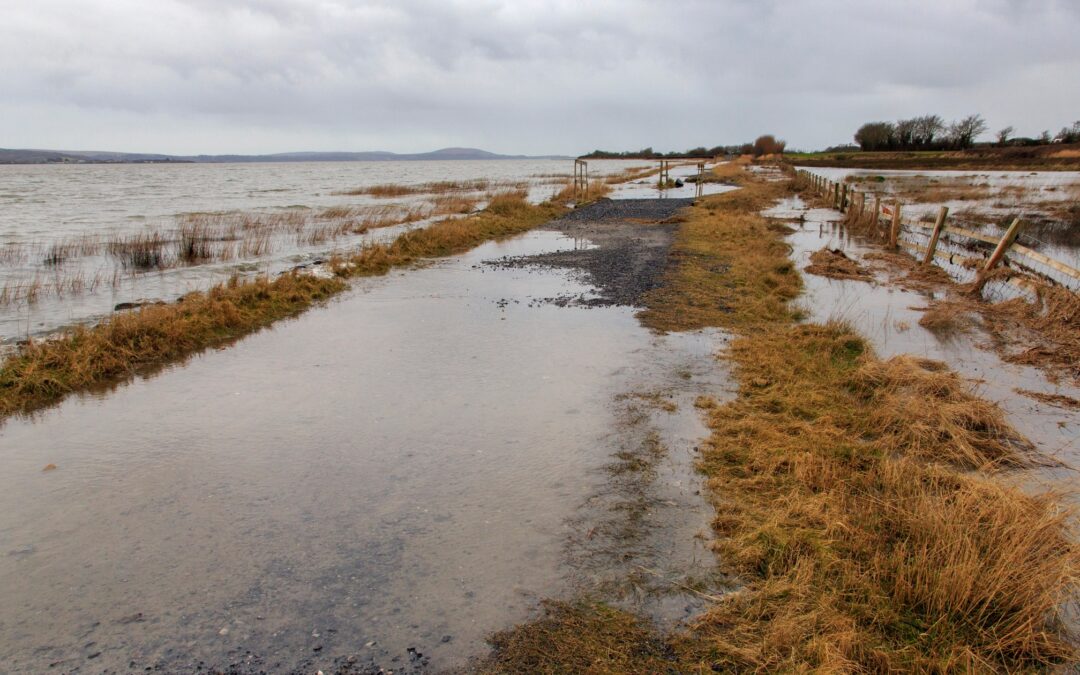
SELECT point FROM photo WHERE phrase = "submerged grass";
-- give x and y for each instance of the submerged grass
(44, 372)
(861, 501)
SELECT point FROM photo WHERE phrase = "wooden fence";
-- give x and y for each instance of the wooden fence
(884, 218)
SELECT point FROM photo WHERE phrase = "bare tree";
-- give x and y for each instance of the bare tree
(1004, 134)
(927, 128)
(967, 130)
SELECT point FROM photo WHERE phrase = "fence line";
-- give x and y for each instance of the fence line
(854, 203)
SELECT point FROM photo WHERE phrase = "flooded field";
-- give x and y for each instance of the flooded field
(77, 240)
(889, 317)
(387, 479)
(986, 201)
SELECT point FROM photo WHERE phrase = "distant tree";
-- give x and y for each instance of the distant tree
(964, 132)
(1045, 138)
(905, 133)
(1069, 134)
(768, 145)
(876, 135)
(1004, 134)
(926, 129)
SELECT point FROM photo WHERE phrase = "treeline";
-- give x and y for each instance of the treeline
(763, 145)
(931, 132)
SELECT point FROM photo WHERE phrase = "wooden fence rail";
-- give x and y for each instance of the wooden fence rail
(853, 203)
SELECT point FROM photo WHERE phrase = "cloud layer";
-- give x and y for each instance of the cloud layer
(188, 76)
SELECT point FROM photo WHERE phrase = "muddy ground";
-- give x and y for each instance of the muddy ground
(624, 252)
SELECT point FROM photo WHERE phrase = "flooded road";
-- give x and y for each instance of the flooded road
(387, 479)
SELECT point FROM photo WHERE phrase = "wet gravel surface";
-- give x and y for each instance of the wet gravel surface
(625, 247)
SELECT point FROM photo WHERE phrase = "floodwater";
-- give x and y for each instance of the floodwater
(399, 473)
(889, 317)
(42, 206)
(1037, 197)
(649, 188)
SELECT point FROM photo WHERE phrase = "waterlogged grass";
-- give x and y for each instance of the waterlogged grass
(865, 504)
(44, 372)
(728, 268)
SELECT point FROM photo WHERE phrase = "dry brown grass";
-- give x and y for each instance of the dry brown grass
(1056, 400)
(587, 638)
(835, 264)
(1054, 319)
(915, 276)
(732, 172)
(597, 190)
(863, 547)
(947, 317)
(727, 267)
(43, 372)
(453, 204)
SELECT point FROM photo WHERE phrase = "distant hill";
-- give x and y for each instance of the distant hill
(96, 157)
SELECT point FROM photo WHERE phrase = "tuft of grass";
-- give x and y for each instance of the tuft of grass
(835, 264)
(597, 190)
(143, 251)
(582, 637)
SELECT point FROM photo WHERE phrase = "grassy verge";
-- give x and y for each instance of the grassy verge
(44, 372)
(863, 502)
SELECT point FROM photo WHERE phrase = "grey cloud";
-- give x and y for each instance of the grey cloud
(522, 76)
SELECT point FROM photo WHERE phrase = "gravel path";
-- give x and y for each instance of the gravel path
(632, 238)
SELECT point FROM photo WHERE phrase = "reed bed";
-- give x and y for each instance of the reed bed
(201, 238)
(59, 284)
(389, 190)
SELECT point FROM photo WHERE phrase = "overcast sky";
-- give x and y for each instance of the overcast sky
(518, 76)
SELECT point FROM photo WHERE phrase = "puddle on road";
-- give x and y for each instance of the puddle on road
(889, 317)
(412, 466)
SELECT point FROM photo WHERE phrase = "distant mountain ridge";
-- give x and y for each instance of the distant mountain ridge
(29, 156)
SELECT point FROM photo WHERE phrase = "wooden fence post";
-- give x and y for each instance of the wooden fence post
(862, 207)
(894, 231)
(836, 195)
(1008, 240)
(844, 198)
(935, 235)
(875, 217)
